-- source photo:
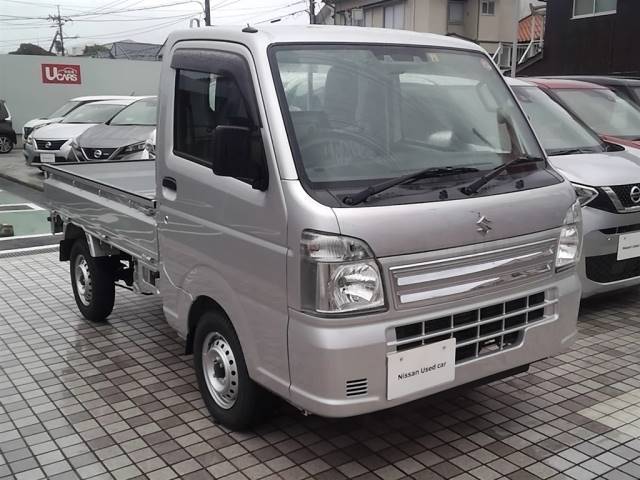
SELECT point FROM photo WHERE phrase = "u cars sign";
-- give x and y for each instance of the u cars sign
(61, 73)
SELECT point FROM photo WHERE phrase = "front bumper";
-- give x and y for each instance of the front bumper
(326, 356)
(32, 156)
(599, 269)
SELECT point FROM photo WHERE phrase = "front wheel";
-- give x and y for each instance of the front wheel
(230, 395)
(6, 144)
(93, 283)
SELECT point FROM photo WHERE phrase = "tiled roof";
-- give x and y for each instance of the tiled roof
(524, 28)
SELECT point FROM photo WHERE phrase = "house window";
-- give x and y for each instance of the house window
(394, 16)
(455, 13)
(590, 8)
(488, 7)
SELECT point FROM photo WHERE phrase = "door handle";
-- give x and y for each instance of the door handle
(170, 184)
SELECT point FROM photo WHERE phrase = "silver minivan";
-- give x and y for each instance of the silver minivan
(349, 218)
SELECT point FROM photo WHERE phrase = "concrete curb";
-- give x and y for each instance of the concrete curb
(22, 182)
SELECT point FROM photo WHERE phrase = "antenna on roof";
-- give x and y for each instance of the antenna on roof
(249, 29)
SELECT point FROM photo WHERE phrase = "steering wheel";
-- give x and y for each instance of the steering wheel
(327, 142)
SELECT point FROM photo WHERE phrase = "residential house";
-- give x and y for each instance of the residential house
(589, 37)
(487, 22)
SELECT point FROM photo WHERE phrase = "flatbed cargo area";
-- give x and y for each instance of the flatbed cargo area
(114, 202)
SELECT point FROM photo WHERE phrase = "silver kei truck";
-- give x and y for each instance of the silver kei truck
(331, 220)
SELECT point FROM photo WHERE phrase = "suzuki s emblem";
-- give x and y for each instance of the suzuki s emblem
(47, 145)
(97, 153)
(484, 224)
(635, 194)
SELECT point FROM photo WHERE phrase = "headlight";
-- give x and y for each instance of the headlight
(151, 148)
(73, 143)
(585, 194)
(29, 140)
(338, 275)
(136, 147)
(570, 242)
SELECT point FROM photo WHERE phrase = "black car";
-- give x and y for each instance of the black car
(7, 133)
(627, 88)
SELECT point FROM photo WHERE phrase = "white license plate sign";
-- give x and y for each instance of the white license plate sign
(47, 158)
(629, 246)
(420, 368)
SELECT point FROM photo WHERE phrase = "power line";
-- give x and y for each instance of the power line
(60, 21)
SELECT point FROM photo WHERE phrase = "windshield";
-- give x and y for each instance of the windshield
(64, 110)
(363, 113)
(142, 112)
(604, 111)
(555, 127)
(4, 113)
(636, 91)
(93, 113)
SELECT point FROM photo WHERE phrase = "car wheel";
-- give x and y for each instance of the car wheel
(230, 395)
(93, 283)
(6, 145)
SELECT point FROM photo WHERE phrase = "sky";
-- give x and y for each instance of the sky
(105, 21)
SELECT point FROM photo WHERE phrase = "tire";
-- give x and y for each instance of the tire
(6, 144)
(92, 280)
(231, 397)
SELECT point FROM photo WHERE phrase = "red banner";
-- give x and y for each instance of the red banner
(61, 73)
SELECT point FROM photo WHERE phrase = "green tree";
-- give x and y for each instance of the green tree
(91, 50)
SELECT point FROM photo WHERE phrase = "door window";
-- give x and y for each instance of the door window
(204, 101)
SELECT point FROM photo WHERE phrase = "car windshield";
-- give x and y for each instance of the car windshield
(603, 111)
(4, 113)
(93, 113)
(363, 113)
(64, 110)
(636, 91)
(557, 129)
(142, 112)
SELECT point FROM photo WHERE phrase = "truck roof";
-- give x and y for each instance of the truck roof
(269, 34)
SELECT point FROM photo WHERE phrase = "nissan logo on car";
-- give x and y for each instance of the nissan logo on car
(47, 145)
(97, 153)
(635, 194)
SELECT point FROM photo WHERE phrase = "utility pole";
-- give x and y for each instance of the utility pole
(207, 13)
(514, 45)
(312, 12)
(60, 20)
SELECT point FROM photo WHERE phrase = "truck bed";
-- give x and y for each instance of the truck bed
(113, 201)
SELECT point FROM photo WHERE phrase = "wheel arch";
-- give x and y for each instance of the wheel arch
(72, 232)
(201, 304)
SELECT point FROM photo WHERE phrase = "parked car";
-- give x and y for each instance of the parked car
(612, 117)
(628, 88)
(52, 143)
(336, 253)
(605, 177)
(7, 133)
(121, 138)
(61, 112)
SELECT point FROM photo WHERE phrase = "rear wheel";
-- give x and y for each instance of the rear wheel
(230, 395)
(6, 144)
(93, 282)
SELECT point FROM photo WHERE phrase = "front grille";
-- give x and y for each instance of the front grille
(98, 153)
(481, 331)
(462, 277)
(624, 195)
(602, 202)
(619, 230)
(356, 388)
(49, 144)
(607, 268)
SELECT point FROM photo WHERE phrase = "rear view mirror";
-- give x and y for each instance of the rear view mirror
(441, 139)
(238, 153)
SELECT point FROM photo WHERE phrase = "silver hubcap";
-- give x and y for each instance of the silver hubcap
(84, 286)
(220, 370)
(5, 144)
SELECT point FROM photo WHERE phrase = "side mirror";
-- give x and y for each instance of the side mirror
(238, 153)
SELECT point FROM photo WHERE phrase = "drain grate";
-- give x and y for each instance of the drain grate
(20, 252)
(18, 207)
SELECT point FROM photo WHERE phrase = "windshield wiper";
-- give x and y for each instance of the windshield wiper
(476, 185)
(570, 151)
(431, 172)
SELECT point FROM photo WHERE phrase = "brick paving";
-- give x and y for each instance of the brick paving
(119, 400)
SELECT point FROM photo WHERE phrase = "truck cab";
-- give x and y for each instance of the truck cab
(349, 218)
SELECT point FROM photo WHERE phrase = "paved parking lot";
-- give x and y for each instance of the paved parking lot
(119, 401)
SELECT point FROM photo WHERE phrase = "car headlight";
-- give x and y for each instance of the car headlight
(73, 143)
(136, 147)
(29, 140)
(338, 275)
(151, 148)
(585, 194)
(570, 241)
